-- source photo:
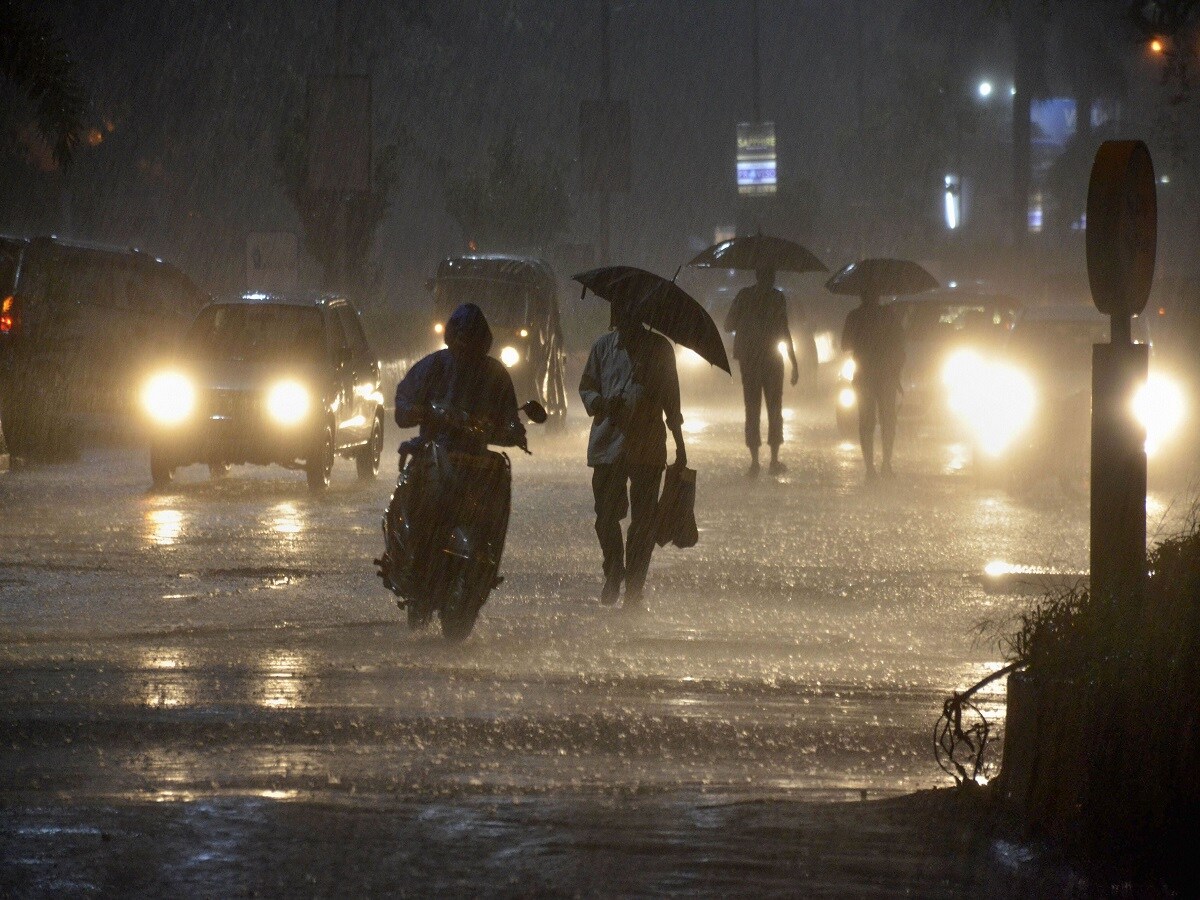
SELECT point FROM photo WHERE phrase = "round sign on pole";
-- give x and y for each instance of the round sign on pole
(1122, 228)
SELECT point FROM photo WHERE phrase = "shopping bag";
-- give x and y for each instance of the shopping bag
(676, 519)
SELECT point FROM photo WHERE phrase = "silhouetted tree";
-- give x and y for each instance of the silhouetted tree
(34, 59)
(510, 203)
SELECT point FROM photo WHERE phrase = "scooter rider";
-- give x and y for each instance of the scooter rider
(446, 390)
(465, 381)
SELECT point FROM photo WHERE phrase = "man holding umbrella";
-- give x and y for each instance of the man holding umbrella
(629, 386)
(758, 320)
(875, 339)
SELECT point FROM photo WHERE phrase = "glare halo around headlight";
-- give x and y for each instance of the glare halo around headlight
(169, 398)
(510, 356)
(1159, 408)
(288, 402)
(995, 400)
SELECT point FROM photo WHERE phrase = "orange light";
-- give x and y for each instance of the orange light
(1162, 310)
(1157, 46)
(439, 328)
(7, 305)
(6, 324)
(95, 137)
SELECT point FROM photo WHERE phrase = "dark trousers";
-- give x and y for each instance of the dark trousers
(616, 488)
(763, 380)
(876, 403)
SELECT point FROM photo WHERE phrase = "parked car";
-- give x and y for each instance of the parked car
(80, 325)
(937, 326)
(1028, 407)
(519, 296)
(268, 380)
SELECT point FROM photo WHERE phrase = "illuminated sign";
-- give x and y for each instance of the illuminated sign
(756, 158)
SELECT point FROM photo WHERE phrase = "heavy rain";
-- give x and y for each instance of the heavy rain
(383, 393)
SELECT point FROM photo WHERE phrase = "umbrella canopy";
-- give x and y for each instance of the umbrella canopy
(661, 304)
(883, 278)
(759, 251)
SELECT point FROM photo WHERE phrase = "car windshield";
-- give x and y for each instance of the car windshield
(938, 322)
(9, 254)
(257, 331)
(505, 303)
(1063, 343)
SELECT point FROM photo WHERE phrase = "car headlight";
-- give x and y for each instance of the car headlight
(1159, 407)
(849, 367)
(510, 356)
(169, 398)
(995, 400)
(847, 398)
(288, 402)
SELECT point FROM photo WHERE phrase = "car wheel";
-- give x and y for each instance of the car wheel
(367, 457)
(161, 470)
(319, 466)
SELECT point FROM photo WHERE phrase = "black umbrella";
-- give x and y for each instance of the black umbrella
(759, 251)
(661, 304)
(883, 278)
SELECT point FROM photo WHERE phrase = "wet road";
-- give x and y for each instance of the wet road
(224, 653)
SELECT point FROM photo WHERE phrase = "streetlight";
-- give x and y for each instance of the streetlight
(985, 89)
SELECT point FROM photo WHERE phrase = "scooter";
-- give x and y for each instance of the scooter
(445, 525)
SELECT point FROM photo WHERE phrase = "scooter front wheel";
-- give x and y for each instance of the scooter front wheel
(468, 592)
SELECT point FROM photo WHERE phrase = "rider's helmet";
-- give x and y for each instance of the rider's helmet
(467, 331)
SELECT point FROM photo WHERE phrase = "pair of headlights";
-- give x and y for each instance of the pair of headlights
(170, 398)
(997, 401)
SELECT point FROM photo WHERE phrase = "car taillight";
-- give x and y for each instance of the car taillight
(8, 315)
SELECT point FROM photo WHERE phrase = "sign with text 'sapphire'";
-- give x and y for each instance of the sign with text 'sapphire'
(756, 158)
(1122, 228)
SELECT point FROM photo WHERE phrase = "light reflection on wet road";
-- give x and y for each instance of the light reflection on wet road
(230, 638)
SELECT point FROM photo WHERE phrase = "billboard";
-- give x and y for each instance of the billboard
(339, 133)
(756, 158)
(272, 262)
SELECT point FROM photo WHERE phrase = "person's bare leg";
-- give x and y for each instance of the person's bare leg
(866, 429)
(887, 430)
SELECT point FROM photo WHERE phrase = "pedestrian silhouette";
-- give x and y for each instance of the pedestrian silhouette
(629, 387)
(758, 320)
(875, 339)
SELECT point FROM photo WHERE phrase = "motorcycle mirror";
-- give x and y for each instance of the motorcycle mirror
(536, 412)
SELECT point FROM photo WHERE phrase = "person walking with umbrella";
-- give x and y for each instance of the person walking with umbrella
(630, 388)
(758, 320)
(874, 338)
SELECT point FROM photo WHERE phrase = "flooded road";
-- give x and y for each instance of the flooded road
(209, 661)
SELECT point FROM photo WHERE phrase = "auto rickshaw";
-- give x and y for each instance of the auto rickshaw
(519, 296)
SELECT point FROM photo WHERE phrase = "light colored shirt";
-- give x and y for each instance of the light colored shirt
(644, 377)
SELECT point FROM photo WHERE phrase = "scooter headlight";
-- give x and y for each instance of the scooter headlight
(288, 402)
(510, 356)
(169, 398)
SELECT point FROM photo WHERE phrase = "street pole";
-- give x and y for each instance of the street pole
(606, 91)
(755, 71)
(1122, 236)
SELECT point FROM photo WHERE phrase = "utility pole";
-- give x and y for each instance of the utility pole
(606, 91)
(755, 71)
